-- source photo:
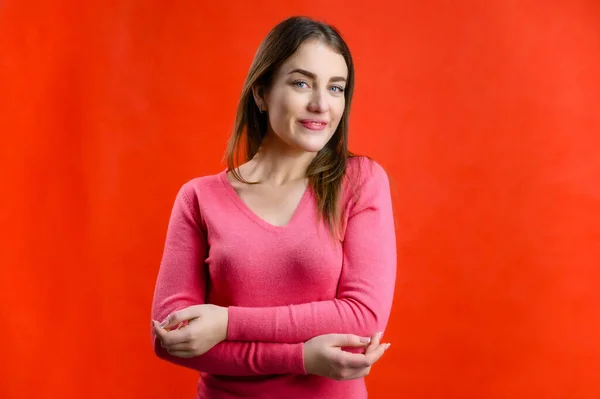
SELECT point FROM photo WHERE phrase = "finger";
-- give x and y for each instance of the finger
(181, 325)
(179, 316)
(160, 333)
(348, 340)
(182, 354)
(358, 373)
(170, 338)
(375, 341)
(352, 360)
(181, 346)
(377, 353)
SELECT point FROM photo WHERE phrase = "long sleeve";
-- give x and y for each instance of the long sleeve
(181, 282)
(366, 287)
(241, 358)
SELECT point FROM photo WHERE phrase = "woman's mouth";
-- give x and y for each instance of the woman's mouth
(313, 124)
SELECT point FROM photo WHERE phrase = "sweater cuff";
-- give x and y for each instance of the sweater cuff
(296, 360)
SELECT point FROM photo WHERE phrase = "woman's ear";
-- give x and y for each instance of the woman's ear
(259, 98)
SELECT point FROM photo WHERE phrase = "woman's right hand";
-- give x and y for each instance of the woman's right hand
(323, 356)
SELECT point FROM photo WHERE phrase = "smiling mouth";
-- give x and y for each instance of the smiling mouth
(313, 125)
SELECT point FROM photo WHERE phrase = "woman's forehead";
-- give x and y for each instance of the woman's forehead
(318, 58)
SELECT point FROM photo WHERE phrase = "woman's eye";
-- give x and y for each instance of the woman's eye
(338, 89)
(299, 84)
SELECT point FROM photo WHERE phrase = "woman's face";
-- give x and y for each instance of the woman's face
(306, 100)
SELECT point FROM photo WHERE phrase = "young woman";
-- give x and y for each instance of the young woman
(278, 273)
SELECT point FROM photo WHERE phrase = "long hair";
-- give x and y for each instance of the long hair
(327, 170)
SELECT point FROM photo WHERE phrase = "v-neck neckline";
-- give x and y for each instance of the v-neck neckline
(235, 197)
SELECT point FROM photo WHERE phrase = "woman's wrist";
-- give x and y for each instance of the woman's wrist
(224, 311)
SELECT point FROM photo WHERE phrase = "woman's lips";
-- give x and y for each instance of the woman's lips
(313, 124)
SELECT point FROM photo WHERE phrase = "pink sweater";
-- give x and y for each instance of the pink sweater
(282, 285)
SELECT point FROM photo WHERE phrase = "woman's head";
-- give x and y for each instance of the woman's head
(304, 99)
(299, 91)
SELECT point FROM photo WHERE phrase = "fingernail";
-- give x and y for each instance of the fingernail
(379, 334)
(164, 323)
(365, 340)
(388, 346)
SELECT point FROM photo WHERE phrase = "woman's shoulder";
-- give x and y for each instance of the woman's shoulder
(361, 170)
(366, 182)
(202, 186)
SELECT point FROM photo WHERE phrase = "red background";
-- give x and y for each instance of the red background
(485, 114)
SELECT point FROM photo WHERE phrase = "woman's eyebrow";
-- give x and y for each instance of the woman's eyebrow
(313, 76)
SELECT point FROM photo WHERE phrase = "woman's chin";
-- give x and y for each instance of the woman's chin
(311, 148)
(311, 144)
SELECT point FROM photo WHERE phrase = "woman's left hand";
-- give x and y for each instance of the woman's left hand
(206, 327)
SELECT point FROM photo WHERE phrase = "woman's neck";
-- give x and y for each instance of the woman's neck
(276, 163)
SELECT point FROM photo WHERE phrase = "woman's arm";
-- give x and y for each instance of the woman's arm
(242, 358)
(181, 283)
(366, 287)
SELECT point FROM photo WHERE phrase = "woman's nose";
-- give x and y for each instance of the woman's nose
(318, 102)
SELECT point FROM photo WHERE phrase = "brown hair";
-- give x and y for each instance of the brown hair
(328, 168)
